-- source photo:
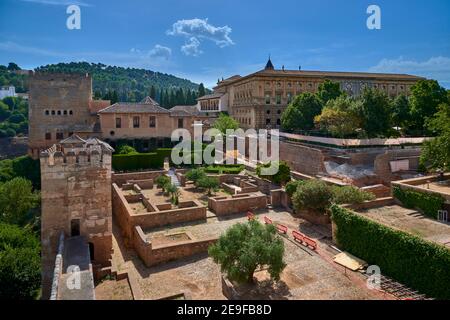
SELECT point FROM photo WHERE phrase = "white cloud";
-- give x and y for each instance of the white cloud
(160, 51)
(192, 47)
(437, 68)
(197, 30)
(59, 2)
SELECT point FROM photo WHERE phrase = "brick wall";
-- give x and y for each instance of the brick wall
(121, 178)
(237, 203)
(302, 159)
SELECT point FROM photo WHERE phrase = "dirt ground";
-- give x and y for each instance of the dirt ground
(308, 275)
(113, 290)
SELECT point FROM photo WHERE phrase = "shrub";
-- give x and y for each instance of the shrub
(349, 194)
(245, 247)
(162, 182)
(225, 169)
(195, 174)
(317, 196)
(429, 204)
(292, 186)
(174, 193)
(413, 261)
(208, 183)
(126, 149)
(133, 162)
(314, 195)
(282, 176)
(20, 263)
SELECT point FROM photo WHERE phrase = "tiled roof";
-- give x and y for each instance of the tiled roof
(125, 107)
(326, 75)
(184, 111)
(148, 100)
(73, 139)
(211, 96)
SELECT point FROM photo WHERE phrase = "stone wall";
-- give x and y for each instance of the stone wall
(157, 215)
(121, 178)
(303, 159)
(156, 255)
(379, 190)
(76, 200)
(238, 203)
(382, 165)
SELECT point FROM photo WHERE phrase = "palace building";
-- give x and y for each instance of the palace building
(61, 105)
(257, 100)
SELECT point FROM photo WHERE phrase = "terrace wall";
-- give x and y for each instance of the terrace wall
(156, 216)
(237, 203)
(156, 255)
(121, 178)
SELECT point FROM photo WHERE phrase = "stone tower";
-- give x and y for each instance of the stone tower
(60, 105)
(76, 200)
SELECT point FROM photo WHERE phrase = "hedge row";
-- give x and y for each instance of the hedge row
(415, 262)
(139, 161)
(429, 204)
(225, 169)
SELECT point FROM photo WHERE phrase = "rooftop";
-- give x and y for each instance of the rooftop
(130, 107)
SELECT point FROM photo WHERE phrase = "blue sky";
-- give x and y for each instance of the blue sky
(204, 40)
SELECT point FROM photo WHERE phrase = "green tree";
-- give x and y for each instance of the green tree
(291, 186)
(245, 247)
(426, 96)
(126, 149)
(17, 198)
(400, 111)
(282, 176)
(13, 66)
(4, 111)
(317, 196)
(20, 263)
(195, 174)
(174, 192)
(224, 122)
(373, 109)
(329, 90)
(339, 117)
(210, 184)
(299, 115)
(201, 90)
(162, 182)
(435, 154)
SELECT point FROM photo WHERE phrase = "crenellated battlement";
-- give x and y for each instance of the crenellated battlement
(76, 151)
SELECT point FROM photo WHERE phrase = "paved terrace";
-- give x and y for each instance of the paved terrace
(411, 221)
(308, 275)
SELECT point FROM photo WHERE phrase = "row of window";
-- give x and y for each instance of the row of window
(209, 105)
(151, 122)
(58, 135)
(58, 112)
(248, 121)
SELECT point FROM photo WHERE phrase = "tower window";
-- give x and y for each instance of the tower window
(136, 121)
(118, 122)
(152, 122)
(59, 112)
(65, 112)
(59, 136)
(180, 123)
(48, 136)
(47, 112)
(70, 112)
(53, 112)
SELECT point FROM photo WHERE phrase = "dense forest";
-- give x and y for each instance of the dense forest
(118, 83)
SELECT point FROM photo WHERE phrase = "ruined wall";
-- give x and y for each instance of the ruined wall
(153, 256)
(303, 159)
(121, 178)
(76, 190)
(238, 203)
(382, 165)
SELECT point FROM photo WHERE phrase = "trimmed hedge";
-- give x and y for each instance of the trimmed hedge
(420, 264)
(133, 162)
(225, 169)
(429, 204)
